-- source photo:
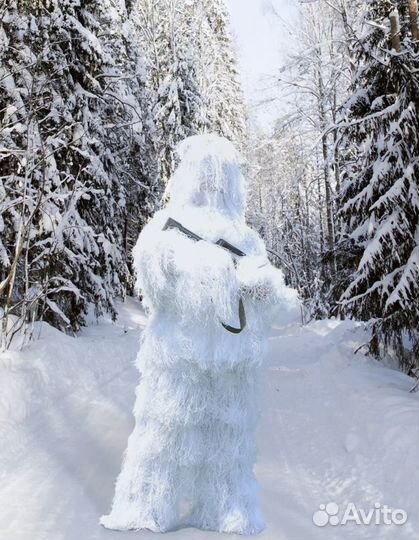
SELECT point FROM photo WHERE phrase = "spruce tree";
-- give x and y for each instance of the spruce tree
(167, 31)
(71, 138)
(379, 199)
(94, 98)
(193, 76)
(226, 111)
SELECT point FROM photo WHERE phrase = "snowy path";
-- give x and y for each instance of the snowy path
(335, 428)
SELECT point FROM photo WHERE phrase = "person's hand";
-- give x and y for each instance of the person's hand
(254, 275)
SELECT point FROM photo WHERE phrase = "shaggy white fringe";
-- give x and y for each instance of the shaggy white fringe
(190, 458)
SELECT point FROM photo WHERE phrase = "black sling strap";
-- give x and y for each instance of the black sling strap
(173, 224)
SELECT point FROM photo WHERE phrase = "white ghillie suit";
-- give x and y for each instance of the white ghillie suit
(192, 449)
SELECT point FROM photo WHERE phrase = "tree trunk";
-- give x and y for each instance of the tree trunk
(413, 13)
(326, 172)
(395, 30)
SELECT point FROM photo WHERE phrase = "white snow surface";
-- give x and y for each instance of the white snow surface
(335, 427)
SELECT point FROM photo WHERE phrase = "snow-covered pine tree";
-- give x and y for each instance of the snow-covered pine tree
(131, 131)
(71, 137)
(88, 129)
(221, 80)
(192, 73)
(168, 32)
(179, 108)
(379, 199)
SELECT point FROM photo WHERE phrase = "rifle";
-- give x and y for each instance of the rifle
(173, 224)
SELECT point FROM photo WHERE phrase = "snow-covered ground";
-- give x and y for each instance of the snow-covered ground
(336, 428)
